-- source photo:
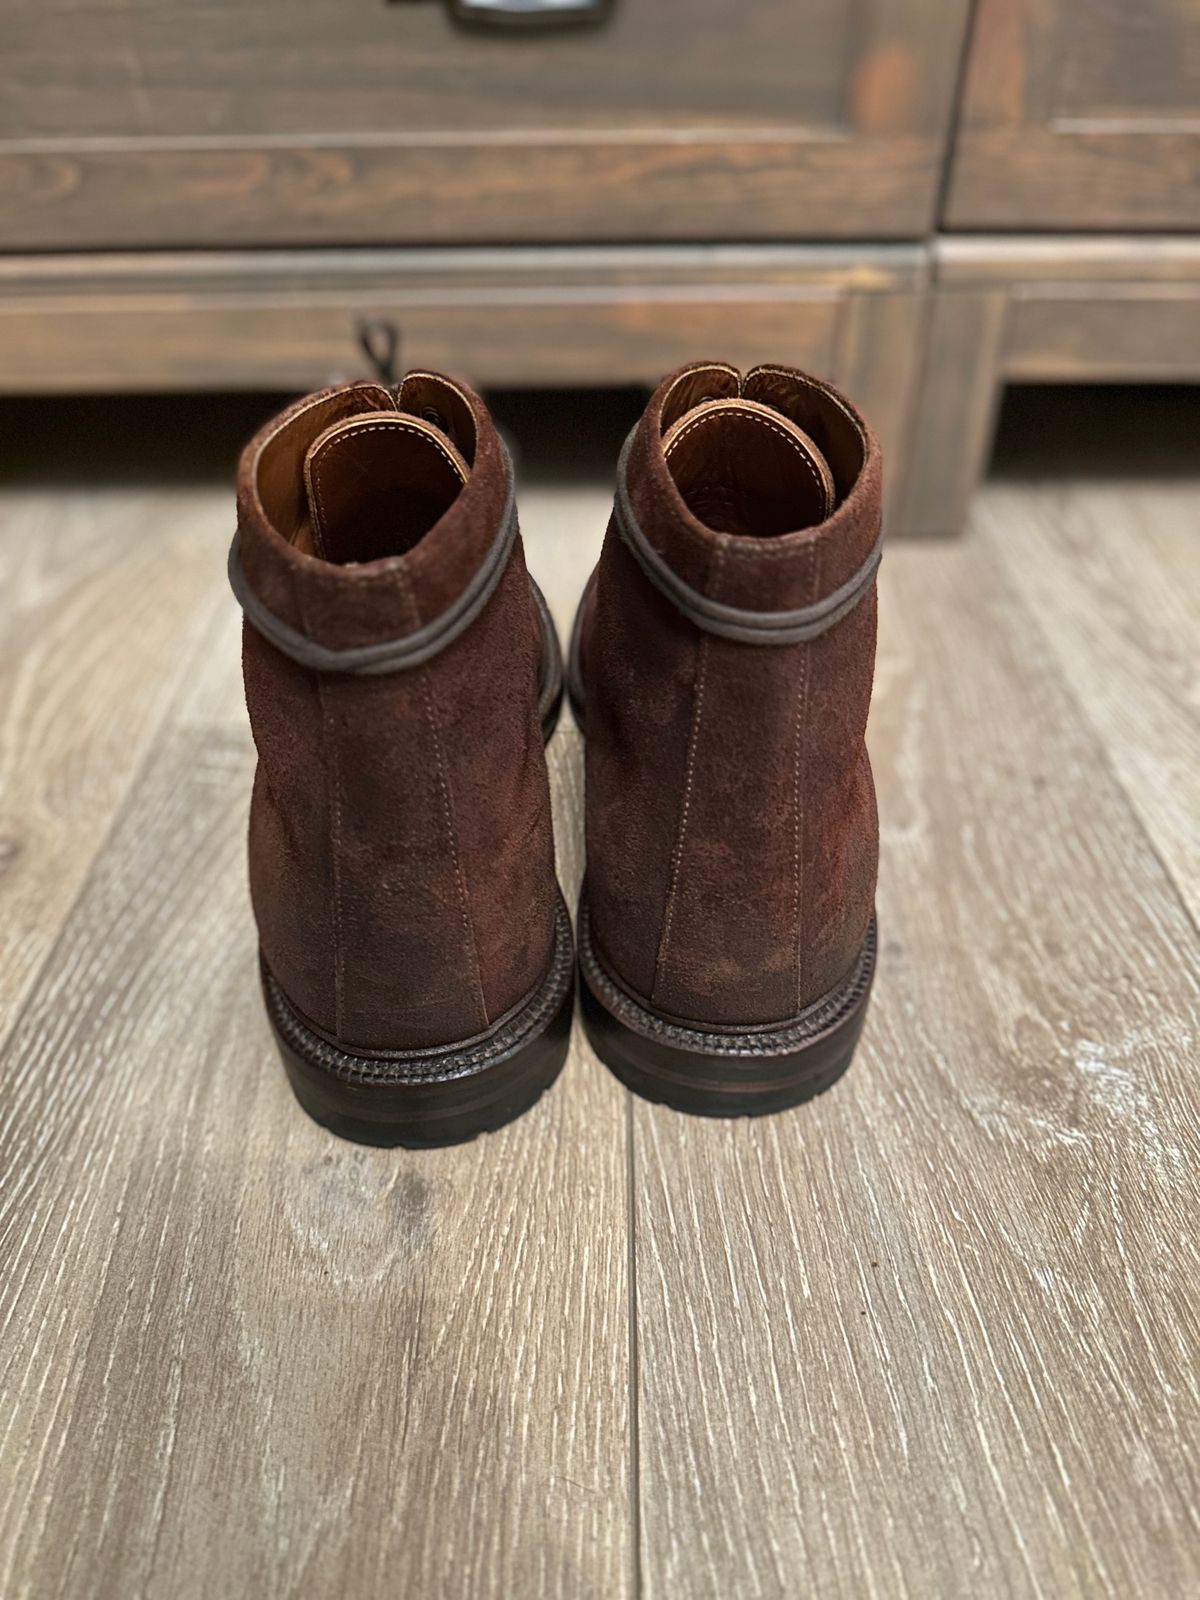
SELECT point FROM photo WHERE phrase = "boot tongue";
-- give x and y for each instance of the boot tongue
(376, 484)
(743, 468)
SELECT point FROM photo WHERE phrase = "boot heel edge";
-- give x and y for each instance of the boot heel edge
(444, 1096)
(723, 1073)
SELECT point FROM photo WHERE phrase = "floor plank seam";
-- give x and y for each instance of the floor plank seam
(635, 1472)
(111, 834)
(1087, 723)
(116, 820)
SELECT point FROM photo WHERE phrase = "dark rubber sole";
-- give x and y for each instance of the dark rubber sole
(748, 1072)
(422, 1098)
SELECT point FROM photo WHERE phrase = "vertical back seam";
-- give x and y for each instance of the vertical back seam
(800, 773)
(464, 903)
(681, 830)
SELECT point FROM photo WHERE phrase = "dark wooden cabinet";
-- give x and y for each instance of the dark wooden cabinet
(172, 123)
(904, 195)
(1080, 114)
(1047, 309)
(556, 317)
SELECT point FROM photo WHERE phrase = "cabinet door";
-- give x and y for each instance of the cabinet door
(1080, 114)
(176, 122)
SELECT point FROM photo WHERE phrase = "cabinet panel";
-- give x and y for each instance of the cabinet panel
(1080, 114)
(1042, 310)
(164, 122)
(288, 320)
(556, 317)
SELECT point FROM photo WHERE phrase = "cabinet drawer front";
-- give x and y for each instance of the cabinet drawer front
(346, 121)
(560, 317)
(1080, 114)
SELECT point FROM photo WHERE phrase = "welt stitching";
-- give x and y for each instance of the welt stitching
(439, 761)
(417, 1066)
(681, 835)
(816, 1018)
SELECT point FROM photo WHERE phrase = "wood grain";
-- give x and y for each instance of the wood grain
(957, 399)
(384, 123)
(876, 362)
(1079, 115)
(1044, 178)
(1038, 310)
(700, 186)
(1129, 258)
(1104, 333)
(546, 339)
(103, 594)
(1110, 572)
(935, 1334)
(407, 73)
(242, 1357)
(569, 317)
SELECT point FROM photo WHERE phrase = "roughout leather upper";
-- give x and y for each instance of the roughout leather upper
(732, 836)
(401, 856)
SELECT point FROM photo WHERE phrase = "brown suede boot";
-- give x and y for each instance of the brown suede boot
(723, 654)
(401, 672)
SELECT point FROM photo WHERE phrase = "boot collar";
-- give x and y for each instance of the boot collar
(387, 614)
(783, 589)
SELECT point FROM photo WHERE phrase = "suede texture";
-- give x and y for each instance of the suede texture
(401, 854)
(732, 835)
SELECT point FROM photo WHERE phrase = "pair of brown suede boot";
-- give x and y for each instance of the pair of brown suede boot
(402, 674)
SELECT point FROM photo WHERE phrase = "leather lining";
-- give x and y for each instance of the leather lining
(377, 483)
(743, 468)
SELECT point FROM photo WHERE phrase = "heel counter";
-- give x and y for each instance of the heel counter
(728, 951)
(773, 876)
(354, 877)
(403, 947)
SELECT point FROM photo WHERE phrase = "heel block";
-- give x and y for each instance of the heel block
(442, 1096)
(726, 1072)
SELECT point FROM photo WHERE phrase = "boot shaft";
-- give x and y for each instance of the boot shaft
(401, 859)
(732, 832)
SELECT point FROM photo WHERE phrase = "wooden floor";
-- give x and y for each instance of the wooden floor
(936, 1334)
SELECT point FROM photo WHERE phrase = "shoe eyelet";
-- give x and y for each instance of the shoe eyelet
(434, 417)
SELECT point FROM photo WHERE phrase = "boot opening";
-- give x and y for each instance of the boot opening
(376, 484)
(354, 476)
(742, 468)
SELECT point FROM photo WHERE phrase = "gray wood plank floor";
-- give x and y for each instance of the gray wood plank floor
(935, 1334)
